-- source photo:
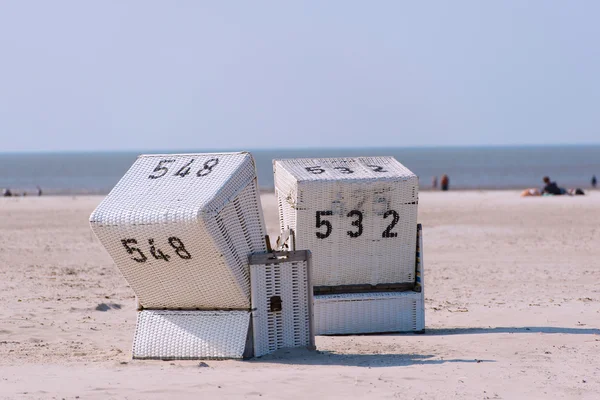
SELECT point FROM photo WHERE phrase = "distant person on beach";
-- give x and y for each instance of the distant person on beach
(445, 182)
(551, 187)
(39, 191)
(7, 193)
(434, 182)
(594, 181)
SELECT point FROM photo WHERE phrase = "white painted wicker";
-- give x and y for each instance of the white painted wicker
(282, 301)
(180, 335)
(356, 313)
(356, 215)
(202, 212)
(369, 313)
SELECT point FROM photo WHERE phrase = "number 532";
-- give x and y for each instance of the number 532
(356, 221)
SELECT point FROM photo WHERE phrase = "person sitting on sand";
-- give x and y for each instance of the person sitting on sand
(7, 193)
(551, 187)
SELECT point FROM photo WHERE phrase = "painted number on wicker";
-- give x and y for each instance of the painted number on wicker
(358, 223)
(162, 168)
(317, 169)
(158, 254)
(321, 222)
(388, 231)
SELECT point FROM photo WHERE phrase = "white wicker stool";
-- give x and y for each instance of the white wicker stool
(282, 301)
(180, 228)
(358, 216)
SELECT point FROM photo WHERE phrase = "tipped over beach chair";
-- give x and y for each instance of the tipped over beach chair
(182, 228)
(358, 217)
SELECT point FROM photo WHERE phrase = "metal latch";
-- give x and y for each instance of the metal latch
(275, 303)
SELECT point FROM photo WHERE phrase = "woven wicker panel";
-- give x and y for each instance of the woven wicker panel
(369, 313)
(181, 237)
(288, 282)
(356, 215)
(180, 335)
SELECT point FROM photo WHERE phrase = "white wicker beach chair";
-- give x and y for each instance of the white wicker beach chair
(180, 227)
(358, 216)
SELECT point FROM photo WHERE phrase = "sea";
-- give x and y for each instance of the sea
(511, 167)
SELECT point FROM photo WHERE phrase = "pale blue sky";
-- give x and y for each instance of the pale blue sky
(149, 75)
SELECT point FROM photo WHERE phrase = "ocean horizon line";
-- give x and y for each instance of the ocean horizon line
(302, 149)
(32, 192)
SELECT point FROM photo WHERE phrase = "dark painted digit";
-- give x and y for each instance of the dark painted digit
(321, 222)
(158, 254)
(208, 167)
(344, 170)
(388, 231)
(377, 168)
(177, 244)
(131, 250)
(184, 170)
(315, 170)
(161, 168)
(357, 223)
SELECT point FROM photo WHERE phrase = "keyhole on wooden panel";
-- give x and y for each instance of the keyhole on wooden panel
(275, 303)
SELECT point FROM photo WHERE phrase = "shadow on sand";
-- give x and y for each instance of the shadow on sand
(500, 329)
(305, 357)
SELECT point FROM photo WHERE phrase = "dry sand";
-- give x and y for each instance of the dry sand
(512, 291)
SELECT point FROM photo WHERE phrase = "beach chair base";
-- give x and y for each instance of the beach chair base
(359, 313)
(281, 317)
(181, 335)
(375, 311)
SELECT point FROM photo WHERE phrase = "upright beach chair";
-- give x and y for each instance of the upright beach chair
(358, 216)
(181, 229)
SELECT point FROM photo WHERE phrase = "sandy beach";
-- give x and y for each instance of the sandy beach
(512, 290)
